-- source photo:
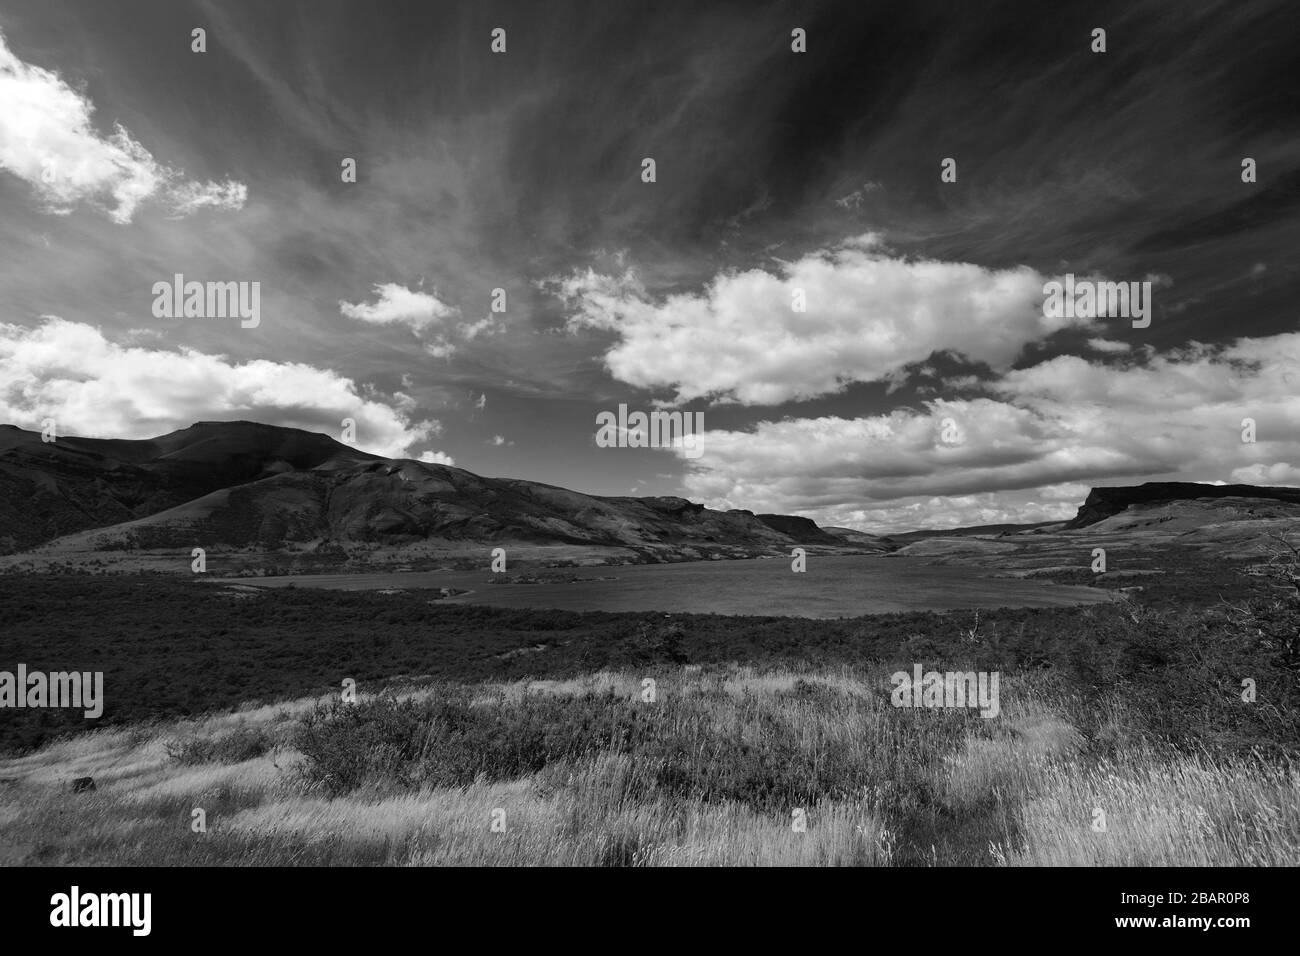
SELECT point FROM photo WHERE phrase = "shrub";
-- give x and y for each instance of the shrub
(235, 746)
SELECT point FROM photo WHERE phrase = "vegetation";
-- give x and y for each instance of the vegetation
(721, 767)
(490, 736)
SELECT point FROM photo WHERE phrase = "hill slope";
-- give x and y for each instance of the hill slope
(245, 485)
(71, 484)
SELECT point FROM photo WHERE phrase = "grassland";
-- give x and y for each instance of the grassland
(536, 721)
(714, 772)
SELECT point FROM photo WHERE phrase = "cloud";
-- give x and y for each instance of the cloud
(1280, 473)
(70, 372)
(191, 197)
(1108, 345)
(487, 326)
(854, 199)
(868, 314)
(398, 305)
(437, 458)
(440, 348)
(955, 511)
(48, 140)
(1046, 433)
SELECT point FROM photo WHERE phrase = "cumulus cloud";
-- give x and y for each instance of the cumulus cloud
(953, 511)
(436, 458)
(868, 315)
(70, 372)
(396, 304)
(48, 140)
(1045, 432)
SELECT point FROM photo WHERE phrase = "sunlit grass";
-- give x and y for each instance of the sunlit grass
(718, 770)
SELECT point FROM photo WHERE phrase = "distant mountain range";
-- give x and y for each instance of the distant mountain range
(243, 484)
(253, 487)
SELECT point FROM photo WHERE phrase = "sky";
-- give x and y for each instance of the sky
(922, 385)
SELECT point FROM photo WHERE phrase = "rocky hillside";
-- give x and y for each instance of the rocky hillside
(1103, 503)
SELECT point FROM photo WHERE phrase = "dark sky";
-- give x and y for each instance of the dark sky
(776, 171)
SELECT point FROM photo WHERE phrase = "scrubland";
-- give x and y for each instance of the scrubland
(1123, 738)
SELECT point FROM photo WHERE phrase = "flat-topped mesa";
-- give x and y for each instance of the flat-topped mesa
(801, 529)
(1101, 503)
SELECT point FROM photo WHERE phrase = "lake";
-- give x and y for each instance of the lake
(841, 586)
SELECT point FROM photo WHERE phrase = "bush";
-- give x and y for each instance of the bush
(450, 741)
(660, 642)
(235, 746)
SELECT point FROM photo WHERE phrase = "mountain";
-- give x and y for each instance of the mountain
(1103, 503)
(862, 539)
(71, 484)
(243, 485)
(975, 530)
(1146, 529)
(803, 530)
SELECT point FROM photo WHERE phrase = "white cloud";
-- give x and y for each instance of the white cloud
(400, 305)
(437, 458)
(440, 347)
(953, 511)
(1280, 473)
(868, 315)
(1071, 492)
(47, 139)
(1046, 434)
(487, 326)
(1108, 345)
(70, 372)
(191, 197)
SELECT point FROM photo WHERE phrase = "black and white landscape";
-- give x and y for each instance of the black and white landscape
(673, 434)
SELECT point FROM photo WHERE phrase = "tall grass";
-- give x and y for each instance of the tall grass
(720, 769)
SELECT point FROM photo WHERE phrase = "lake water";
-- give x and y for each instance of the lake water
(831, 587)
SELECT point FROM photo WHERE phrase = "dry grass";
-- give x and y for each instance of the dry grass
(1164, 810)
(890, 787)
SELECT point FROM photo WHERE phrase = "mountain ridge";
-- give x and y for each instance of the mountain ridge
(249, 485)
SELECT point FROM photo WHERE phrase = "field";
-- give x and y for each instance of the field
(485, 735)
(719, 770)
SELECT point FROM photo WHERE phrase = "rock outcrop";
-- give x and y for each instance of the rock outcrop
(1102, 503)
